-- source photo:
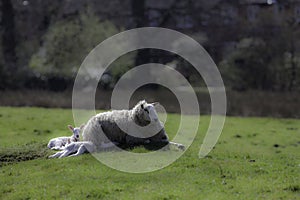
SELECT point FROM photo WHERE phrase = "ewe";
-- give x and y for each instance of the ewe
(139, 126)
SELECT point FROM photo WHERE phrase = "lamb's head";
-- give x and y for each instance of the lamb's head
(76, 132)
(146, 112)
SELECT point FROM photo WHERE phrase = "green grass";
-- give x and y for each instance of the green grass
(255, 158)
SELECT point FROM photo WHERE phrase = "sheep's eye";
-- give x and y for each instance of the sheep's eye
(146, 110)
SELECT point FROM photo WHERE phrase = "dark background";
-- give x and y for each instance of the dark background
(255, 44)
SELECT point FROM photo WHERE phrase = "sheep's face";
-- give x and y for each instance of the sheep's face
(149, 112)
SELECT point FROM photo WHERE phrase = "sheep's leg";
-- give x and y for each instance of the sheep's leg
(56, 155)
(65, 153)
(71, 148)
(133, 141)
(107, 145)
(82, 149)
(179, 146)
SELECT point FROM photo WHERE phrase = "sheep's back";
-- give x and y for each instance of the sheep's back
(107, 122)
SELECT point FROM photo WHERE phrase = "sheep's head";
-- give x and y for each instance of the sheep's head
(147, 112)
(152, 129)
(76, 131)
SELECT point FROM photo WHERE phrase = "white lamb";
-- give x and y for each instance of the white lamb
(74, 149)
(60, 142)
(78, 148)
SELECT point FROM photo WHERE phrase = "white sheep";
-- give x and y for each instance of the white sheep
(60, 142)
(142, 120)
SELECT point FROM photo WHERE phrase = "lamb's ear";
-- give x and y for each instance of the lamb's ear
(142, 106)
(70, 127)
(155, 104)
(82, 126)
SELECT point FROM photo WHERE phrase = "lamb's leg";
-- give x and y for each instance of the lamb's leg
(66, 153)
(69, 149)
(56, 155)
(82, 149)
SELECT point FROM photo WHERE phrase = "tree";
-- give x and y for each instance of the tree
(249, 66)
(68, 42)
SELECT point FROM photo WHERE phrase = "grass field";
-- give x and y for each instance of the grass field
(255, 158)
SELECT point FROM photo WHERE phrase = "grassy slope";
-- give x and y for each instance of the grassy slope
(254, 158)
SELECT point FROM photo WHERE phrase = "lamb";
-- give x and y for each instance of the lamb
(141, 122)
(74, 149)
(78, 148)
(60, 142)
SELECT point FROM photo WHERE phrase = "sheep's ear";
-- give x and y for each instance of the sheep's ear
(82, 126)
(70, 127)
(142, 106)
(155, 104)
